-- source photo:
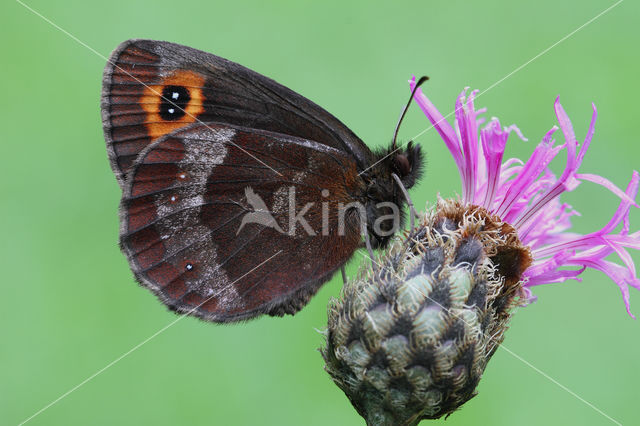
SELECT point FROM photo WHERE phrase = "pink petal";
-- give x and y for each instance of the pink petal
(526, 195)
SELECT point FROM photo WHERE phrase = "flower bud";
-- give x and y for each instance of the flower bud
(409, 339)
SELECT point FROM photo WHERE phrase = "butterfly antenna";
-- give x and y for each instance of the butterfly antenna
(404, 111)
(412, 210)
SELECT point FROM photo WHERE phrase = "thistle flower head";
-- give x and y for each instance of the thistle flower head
(526, 195)
(409, 339)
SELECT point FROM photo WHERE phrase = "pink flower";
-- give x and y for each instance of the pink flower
(526, 195)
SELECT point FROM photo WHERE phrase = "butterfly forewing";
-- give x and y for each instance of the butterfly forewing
(206, 220)
(152, 88)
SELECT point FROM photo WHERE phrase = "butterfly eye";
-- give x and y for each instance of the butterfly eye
(402, 165)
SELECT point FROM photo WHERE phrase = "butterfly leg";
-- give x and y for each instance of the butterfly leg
(344, 275)
(367, 242)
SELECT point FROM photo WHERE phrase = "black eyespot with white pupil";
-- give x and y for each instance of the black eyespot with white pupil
(174, 102)
(188, 267)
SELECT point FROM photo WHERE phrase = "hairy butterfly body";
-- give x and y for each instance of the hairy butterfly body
(234, 186)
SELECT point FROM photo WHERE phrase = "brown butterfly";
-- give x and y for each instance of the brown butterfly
(213, 158)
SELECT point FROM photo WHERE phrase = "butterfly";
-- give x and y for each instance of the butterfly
(212, 158)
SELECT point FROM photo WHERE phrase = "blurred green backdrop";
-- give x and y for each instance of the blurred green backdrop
(70, 305)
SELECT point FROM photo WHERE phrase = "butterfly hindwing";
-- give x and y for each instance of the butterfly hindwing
(195, 230)
(151, 88)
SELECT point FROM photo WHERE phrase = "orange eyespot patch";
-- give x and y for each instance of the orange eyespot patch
(174, 103)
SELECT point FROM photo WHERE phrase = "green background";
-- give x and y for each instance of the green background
(69, 304)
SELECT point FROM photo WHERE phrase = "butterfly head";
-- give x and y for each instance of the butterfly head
(384, 200)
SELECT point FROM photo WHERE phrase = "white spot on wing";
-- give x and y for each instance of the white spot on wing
(164, 209)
